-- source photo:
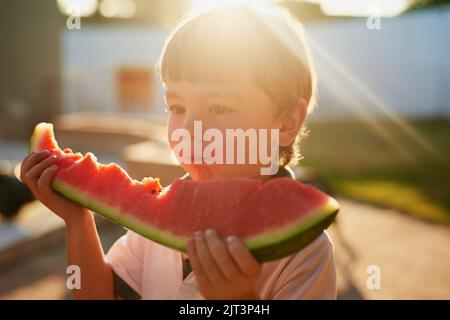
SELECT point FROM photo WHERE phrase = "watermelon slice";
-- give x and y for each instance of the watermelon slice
(274, 219)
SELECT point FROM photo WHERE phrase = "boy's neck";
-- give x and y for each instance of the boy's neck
(282, 172)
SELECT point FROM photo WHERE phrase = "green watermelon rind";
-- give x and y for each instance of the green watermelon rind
(294, 240)
(297, 227)
(127, 221)
(284, 241)
(35, 137)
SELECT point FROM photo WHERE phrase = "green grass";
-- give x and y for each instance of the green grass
(382, 164)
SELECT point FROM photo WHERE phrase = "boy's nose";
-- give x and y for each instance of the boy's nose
(191, 122)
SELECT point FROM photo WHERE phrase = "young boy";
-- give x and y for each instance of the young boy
(232, 67)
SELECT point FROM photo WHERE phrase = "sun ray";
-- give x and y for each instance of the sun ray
(374, 99)
(199, 5)
(334, 84)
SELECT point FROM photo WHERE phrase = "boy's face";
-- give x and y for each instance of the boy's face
(219, 107)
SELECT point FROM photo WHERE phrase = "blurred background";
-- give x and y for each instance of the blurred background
(379, 139)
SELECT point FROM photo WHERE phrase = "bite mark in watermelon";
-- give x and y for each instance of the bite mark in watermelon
(274, 219)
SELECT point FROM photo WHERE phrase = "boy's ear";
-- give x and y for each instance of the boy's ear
(292, 122)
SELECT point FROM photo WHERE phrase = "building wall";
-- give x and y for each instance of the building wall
(91, 57)
(29, 64)
(402, 68)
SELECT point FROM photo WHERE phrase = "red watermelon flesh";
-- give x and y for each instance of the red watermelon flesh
(274, 219)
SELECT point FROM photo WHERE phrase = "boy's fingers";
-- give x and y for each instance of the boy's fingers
(45, 179)
(36, 171)
(206, 260)
(22, 166)
(28, 155)
(200, 274)
(244, 259)
(221, 255)
(29, 162)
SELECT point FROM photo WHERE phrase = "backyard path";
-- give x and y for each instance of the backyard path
(413, 256)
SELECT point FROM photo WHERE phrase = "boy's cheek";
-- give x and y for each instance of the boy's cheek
(171, 126)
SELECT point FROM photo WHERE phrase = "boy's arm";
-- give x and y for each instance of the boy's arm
(85, 251)
(83, 244)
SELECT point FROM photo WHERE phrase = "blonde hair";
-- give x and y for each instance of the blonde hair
(269, 44)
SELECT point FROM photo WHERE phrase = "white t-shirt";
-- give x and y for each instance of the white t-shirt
(156, 272)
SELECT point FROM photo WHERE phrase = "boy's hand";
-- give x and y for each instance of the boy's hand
(37, 171)
(224, 270)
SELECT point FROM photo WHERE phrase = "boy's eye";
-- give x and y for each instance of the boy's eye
(175, 109)
(220, 109)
